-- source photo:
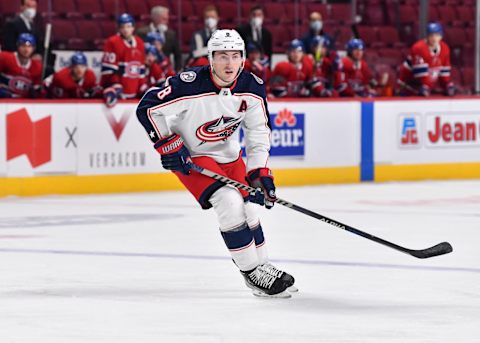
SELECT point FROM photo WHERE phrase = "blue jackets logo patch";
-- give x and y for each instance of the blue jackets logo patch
(218, 129)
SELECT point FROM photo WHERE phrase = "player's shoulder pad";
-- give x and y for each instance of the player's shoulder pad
(184, 84)
(250, 83)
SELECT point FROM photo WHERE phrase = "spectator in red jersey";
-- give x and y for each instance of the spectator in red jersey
(257, 62)
(427, 68)
(20, 75)
(123, 69)
(354, 77)
(155, 74)
(290, 78)
(74, 81)
(323, 67)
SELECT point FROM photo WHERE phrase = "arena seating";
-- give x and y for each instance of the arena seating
(388, 29)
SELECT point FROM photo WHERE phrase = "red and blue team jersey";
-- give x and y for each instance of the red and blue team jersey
(156, 75)
(353, 77)
(426, 67)
(63, 86)
(290, 80)
(322, 76)
(16, 80)
(123, 63)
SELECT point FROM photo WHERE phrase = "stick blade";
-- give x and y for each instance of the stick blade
(437, 250)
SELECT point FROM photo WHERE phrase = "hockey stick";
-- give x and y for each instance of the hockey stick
(436, 250)
(46, 46)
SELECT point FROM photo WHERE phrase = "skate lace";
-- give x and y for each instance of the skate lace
(262, 278)
(271, 269)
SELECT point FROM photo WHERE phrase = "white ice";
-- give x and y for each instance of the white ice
(152, 267)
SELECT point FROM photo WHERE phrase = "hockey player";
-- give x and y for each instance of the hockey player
(323, 67)
(156, 40)
(196, 117)
(155, 74)
(20, 75)
(291, 78)
(426, 69)
(123, 70)
(256, 62)
(354, 77)
(74, 81)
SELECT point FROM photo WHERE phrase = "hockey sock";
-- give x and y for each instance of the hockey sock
(260, 244)
(254, 223)
(241, 244)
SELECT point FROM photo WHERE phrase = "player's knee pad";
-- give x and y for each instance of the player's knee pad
(230, 208)
(251, 211)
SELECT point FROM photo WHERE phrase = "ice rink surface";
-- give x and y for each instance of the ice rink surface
(152, 267)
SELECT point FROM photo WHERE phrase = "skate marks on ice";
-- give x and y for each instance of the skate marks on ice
(323, 263)
(81, 219)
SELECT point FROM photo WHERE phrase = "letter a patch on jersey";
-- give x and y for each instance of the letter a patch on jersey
(243, 106)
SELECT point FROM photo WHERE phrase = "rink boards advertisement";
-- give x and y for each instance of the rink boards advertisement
(427, 138)
(86, 147)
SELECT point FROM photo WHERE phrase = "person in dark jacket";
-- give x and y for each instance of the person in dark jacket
(159, 23)
(255, 32)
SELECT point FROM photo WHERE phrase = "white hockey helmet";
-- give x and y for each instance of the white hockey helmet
(225, 40)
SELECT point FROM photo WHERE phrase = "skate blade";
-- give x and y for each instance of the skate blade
(260, 294)
(292, 289)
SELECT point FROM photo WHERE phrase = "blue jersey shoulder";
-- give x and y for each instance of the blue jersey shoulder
(250, 83)
(191, 82)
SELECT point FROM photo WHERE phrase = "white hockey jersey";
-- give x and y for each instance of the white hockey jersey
(208, 117)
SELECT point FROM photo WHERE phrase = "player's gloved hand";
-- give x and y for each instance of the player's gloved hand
(326, 93)
(262, 178)
(112, 94)
(175, 156)
(450, 91)
(304, 92)
(424, 91)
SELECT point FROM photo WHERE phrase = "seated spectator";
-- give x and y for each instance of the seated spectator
(123, 68)
(290, 78)
(156, 73)
(74, 81)
(324, 67)
(159, 23)
(20, 74)
(316, 29)
(255, 32)
(426, 69)
(354, 77)
(257, 62)
(198, 43)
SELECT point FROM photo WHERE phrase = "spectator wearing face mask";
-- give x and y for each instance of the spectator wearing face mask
(25, 22)
(159, 23)
(316, 30)
(255, 32)
(198, 43)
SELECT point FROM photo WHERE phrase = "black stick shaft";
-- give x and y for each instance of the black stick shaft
(439, 249)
